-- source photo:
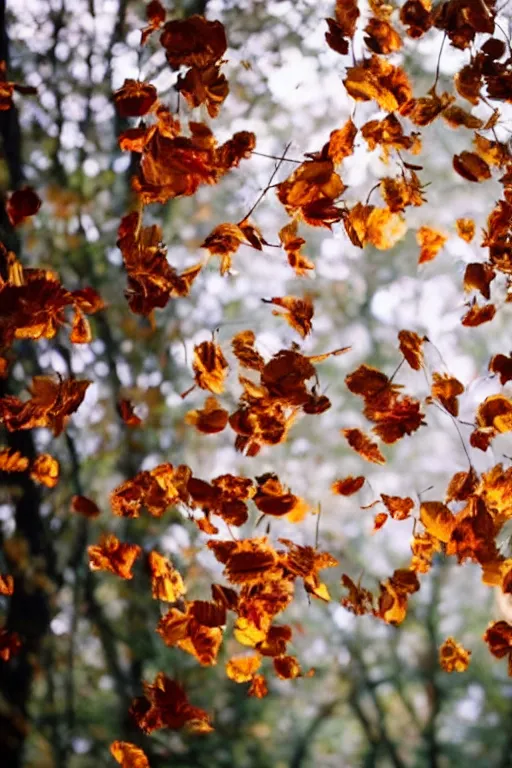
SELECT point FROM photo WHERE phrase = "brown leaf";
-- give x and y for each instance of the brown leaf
(210, 419)
(298, 312)
(362, 444)
(84, 506)
(479, 276)
(411, 347)
(348, 486)
(471, 167)
(22, 204)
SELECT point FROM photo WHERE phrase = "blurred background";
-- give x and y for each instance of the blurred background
(378, 697)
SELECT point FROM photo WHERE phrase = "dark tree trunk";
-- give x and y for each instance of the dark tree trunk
(28, 612)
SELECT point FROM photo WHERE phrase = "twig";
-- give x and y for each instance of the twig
(269, 185)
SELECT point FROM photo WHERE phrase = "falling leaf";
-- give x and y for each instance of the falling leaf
(471, 167)
(84, 506)
(465, 229)
(348, 486)
(128, 414)
(45, 469)
(135, 98)
(430, 241)
(438, 520)
(210, 419)
(453, 657)
(502, 365)
(446, 389)
(242, 669)
(6, 584)
(411, 347)
(128, 755)
(114, 556)
(362, 444)
(22, 204)
(298, 313)
(166, 581)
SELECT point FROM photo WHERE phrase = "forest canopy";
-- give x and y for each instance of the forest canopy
(255, 384)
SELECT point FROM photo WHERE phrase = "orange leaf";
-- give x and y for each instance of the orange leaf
(6, 584)
(362, 444)
(128, 755)
(446, 389)
(241, 669)
(348, 486)
(477, 315)
(210, 367)
(465, 229)
(438, 520)
(166, 581)
(298, 313)
(12, 461)
(209, 420)
(45, 470)
(430, 241)
(128, 415)
(114, 556)
(411, 347)
(453, 657)
(80, 330)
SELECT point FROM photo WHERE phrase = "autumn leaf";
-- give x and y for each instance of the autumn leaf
(128, 755)
(165, 705)
(465, 229)
(114, 556)
(430, 241)
(453, 657)
(341, 142)
(223, 241)
(12, 461)
(362, 444)
(166, 581)
(399, 508)
(438, 520)
(45, 469)
(348, 486)
(135, 98)
(411, 347)
(128, 414)
(478, 314)
(479, 276)
(471, 167)
(22, 204)
(6, 584)
(502, 365)
(210, 419)
(10, 644)
(242, 669)
(298, 313)
(446, 389)
(84, 506)
(210, 367)
(498, 637)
